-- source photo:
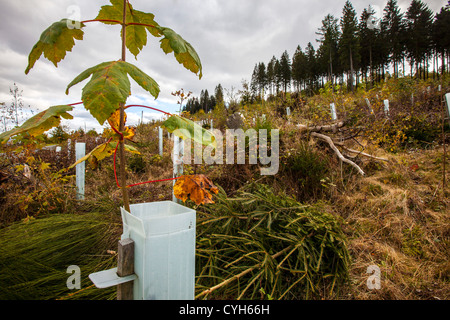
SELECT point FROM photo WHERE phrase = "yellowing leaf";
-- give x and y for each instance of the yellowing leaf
(184, 52)
(45, 166)
(114, 121)
(40, 123)
(198, 188)
(136, 36)
(101, 152)
(54, 43)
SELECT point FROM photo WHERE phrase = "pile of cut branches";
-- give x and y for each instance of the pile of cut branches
(261, 245)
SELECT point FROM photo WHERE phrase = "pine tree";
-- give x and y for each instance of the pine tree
(311, 70)
(441, 34)
(204, 100)
(211, 103)
(328, 51)
(271, 74)
(366, 39)
(285, 66)
(254, 85)
(394, 30)
(349, 42)
(299, 64)
(218, 94)
(261, 78)
(277, 75)
(419, 24)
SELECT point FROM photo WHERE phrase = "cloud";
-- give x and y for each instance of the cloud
(230, 36)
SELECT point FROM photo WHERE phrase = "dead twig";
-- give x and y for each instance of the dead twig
(336, 150)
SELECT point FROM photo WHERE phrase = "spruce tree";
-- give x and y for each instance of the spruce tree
(441, 34)
(299, 64)
(285, 66)
(394, 30)
(311, 70)
(218, 93)
(261, 78)
(277, 75)
(349, 42)
(419, 24)
(271, 74)
(367, 38)
(328, 51)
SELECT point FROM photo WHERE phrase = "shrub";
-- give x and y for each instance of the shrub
(307, 168)
(136, 164)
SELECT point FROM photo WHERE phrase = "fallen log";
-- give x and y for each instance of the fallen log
(326, 128)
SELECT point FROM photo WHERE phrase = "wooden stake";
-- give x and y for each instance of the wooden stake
(125, 267)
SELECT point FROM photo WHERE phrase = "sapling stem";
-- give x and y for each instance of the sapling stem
(122, 169)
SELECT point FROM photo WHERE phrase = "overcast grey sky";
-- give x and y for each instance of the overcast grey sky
(230, 36)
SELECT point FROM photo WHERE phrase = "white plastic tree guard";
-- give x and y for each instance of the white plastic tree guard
(164, 237)
(333, 111)
(178, 154)
(80, 152)
(369, 106)
(69, 149)
(161, 140)
(386, 107)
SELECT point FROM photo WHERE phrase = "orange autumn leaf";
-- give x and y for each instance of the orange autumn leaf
(114, 121)
(198, 188)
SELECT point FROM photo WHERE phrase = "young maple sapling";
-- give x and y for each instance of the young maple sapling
(106, 92)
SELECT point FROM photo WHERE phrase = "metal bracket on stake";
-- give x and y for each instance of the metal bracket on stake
(109, 278)
(122, 276)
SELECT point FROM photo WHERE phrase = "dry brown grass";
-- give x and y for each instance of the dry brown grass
(398, 220)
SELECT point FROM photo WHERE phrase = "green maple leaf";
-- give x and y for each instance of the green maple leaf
(54, 43)
(187, 129)
(110, 87)
(136, 35)
(40, 123)
(183, 51)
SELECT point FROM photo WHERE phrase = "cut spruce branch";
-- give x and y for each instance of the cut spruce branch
(240, 275)
(336, 150)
